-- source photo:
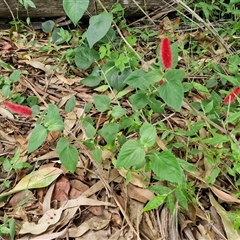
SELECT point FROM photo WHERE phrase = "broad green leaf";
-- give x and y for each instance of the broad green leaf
(172, 90)
(200, 88)
(75, 9)
(114, 76)
(155, 202)
(52, 113)
(55, 124)
(97, 155)
(98, 27)
(109, 132)
(85, 56)
(37, 179)
(118, 112)
(233, 80)
(71, 104)
(148, 135)
(154, 76)
(138, 100)
(37, 137)
(102, 102)
(181, 198)
(137, 79)
(14, 77)
(91, 81)
(131, 154)
(161, 190)
(61, 144)
(90, 131)
(48, 26)
(187, 166)
(165, 165)
(56, 38)
(156, 105)
(69, 158)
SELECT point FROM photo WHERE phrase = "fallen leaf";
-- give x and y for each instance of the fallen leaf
(61, 189)
(224, 196)
(49, 218)
(37, 179)
(227, 223)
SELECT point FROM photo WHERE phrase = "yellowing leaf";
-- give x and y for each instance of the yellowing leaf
(37, 179)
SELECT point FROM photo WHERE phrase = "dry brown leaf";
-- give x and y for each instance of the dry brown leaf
(61, 189)
(227, 222)
(140, 194)
(50, 236)
(95, 223)
(69, 122)
(68, 81)
(49, 218)
(224, 196)
(46, 68)
(136, 179)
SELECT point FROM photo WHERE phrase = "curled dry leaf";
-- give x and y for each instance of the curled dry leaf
(224, 196)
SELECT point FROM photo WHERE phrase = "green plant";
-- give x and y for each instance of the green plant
(8, 165)
(7, 82)
(7, 228)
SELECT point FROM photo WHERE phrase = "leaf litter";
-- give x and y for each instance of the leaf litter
(96, 202)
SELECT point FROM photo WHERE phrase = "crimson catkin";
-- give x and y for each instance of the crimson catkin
(22, 110)
(166, 53)
(231, 97)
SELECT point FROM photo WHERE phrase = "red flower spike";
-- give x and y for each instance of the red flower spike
(166, 53)
(231, 97)
(22, 110)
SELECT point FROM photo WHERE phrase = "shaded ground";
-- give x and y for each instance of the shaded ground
(95, 202)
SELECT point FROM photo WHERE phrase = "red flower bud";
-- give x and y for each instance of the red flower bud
(231, 97)
(166, 53)
(22, 110)
(161, 82)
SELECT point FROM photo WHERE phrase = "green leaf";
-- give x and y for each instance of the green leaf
(12, 226)
(90, 131)
(161, 190)
(56, 38)
(166, 166)
(69, 158)
(52, 113)
(75, 9)
(114, 76)
(155, 202)
(37, 137)
(172, 90)
(61, 144)
(137, 79)
(138, 100)
(131, 154)
(102, 102)
(181, 198)
(14, 77)
(71, 104)
(187, 166)
(118, 112)
(55, 124)
(98, 27)
(85, 56)
(97, 155)
(154, 76)
(48, 26)
(148, 135)
(91, 81)
(109, 132)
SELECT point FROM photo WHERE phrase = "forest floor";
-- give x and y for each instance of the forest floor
(44, 196)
